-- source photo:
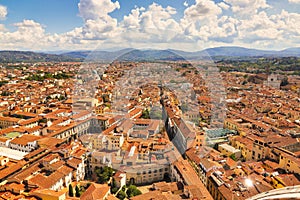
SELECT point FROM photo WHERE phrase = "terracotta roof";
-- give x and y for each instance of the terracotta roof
(10, 119)
(11, 169)
(25, 139)
(95, 192)
(74, 162)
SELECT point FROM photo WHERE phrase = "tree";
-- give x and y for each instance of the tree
(232, 156)
(146, 114)
(121, 195)
(71, 193)
(133, 191)
(113, 183)
(284, 81)
(77, 191)
(114, 190)
(104, 174)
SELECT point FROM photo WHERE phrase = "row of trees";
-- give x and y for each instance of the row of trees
(77, 191)
(38, 77)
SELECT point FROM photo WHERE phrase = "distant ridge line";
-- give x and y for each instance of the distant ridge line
(130, 54)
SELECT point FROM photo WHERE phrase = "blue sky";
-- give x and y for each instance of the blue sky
(187, 25)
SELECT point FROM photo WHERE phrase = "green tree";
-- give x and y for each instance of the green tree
(121, 195)
(232, 156)
(113, 183)
(146, 114)
(104, 174)
(133, 191)
(284, 81)
(71, 192)
(77, 191)
(5, 93)
(114, 190)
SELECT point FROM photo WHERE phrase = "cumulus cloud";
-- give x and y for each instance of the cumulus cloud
(204, 24)
(244, 8)
(94, 9)
(98, 24)
(29, 34)
(3, 12)
(202, 9)
(202, 21)
(153, 24)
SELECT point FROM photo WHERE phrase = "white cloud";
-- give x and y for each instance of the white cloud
(98, 24)
(3, 12)
(201, 21)
(245, 8)
(29, 34)
(294, 1)
(185, 4)
(94, 9)
(223, 5)
(202, 9)
(2, 28)
(279, 30)
(154, 24)
(204, 24)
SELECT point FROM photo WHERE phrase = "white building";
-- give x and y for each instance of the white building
(24, 143)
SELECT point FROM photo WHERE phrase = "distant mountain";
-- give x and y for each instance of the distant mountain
(291, 52)
(240, 52)
(237, 52)
(76, 54)
(171, 54)
(245, 52)
(28, 56)
(146, 55)
(97, 55)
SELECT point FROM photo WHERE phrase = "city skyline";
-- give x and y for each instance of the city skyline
(185, 25)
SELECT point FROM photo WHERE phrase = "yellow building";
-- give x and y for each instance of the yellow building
(229, 150)
(231, 124)
(289, 163)
(6, 122)
(146, 173)
(245, 145)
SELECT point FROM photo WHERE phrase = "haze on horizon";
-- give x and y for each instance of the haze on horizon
(189, 25)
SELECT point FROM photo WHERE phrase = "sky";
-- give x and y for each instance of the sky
(190, 25)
